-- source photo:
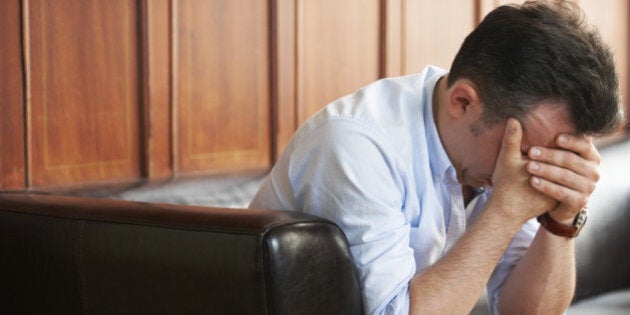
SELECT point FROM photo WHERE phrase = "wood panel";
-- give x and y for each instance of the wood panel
(11, 98)
(156, 85)
(433, 31)
(221, 85)
(392, 37)
(338, 50)
(82, 84)
(100, 91)
(285, 120)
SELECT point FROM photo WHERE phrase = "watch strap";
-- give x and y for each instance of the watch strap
(560, 229)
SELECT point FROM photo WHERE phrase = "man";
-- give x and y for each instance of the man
(437, 179)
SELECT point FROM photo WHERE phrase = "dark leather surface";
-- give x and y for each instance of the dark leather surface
(313, 274)
(38, 265)
(603, 247)
(65, 255)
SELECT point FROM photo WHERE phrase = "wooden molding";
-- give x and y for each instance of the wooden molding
(12, 166)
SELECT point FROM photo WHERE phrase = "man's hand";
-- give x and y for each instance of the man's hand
(511, 189)
(567, 174)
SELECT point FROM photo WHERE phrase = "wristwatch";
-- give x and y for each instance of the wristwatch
(557, 228)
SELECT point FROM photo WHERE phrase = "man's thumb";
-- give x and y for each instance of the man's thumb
(512, 137)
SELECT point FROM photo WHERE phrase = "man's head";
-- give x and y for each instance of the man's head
(520, 56)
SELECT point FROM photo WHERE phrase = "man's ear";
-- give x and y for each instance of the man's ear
(463, 94)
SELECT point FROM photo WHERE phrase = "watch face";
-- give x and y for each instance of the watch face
(580, 220)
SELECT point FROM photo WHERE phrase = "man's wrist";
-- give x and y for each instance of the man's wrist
(571, 230)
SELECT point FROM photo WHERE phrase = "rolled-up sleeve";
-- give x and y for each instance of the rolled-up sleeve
(342, 172)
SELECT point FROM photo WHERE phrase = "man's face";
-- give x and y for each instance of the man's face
(540, 128)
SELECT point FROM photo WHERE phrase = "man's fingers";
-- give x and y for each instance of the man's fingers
(570, 160)
(570, 198)
(562, 176)
(581, 145)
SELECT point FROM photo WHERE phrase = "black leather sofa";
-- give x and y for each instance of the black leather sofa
(603, 247)
(69, 255)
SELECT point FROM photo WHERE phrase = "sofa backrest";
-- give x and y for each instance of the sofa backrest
(603, 247)
(73, 255)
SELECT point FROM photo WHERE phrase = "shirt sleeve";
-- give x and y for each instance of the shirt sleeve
(341, 171)
(515, 251)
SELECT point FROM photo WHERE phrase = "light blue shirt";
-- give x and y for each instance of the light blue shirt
(372, 162)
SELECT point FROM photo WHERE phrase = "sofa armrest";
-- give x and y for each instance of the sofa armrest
(79, 255)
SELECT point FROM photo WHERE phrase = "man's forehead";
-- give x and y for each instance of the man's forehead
(543, 124)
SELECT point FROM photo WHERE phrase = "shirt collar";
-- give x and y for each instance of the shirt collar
(439, 162)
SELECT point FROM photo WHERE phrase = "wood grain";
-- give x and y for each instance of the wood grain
(156, 87)
(12, 166)
(83, 111)
(108, 91)
(433, 31)
(338, 50)
(222, 89)
(284, 69)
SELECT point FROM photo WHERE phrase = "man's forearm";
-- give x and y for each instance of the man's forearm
(543, 282)
(455, 282)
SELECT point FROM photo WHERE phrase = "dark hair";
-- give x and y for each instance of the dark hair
(520, 55)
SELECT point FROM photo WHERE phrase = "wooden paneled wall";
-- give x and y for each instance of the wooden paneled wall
(82, 91)
(222, 85)
(12, 164)
(97, 92)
